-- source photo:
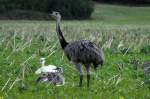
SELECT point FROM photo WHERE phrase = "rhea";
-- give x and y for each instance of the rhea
(50, 73)
(45, 69)
(80, 53)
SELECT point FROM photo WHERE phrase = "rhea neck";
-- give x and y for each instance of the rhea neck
(58, 25)
(61, 38)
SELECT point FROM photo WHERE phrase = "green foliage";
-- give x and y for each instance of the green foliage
(5, 5)
(122, 14)
(19, 40)
(117, 79)
(70, 9)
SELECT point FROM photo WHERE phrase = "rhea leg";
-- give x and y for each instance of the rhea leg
(88, 75)
(79, 68)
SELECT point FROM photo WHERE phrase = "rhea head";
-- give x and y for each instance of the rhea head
(56, 15)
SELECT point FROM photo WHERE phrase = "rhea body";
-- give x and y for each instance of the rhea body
(79, 52)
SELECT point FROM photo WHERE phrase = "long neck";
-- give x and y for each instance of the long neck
(61, 38)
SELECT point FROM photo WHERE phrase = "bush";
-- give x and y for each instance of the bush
(6, 5)
(70, 9)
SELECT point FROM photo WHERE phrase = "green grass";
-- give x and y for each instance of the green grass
(122, 14)
(109, 27)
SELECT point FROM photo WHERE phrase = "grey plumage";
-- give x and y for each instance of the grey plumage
(80, 52)
(54, 78)
(84, 52)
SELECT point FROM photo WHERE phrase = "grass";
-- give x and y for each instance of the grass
(122, 14)
(113, 28)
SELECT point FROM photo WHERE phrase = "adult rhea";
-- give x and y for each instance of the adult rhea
(79, 52)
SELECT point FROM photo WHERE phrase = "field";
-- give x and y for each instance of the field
(123, 33)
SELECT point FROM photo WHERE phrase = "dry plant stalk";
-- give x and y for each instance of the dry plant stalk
(16, 80)
(5, 84)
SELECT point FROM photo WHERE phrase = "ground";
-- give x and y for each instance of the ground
(123, 33)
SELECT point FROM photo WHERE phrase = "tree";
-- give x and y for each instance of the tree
(70, 9)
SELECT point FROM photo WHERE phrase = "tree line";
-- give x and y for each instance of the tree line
(70, 9)
(135, 2)
(39, 9)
